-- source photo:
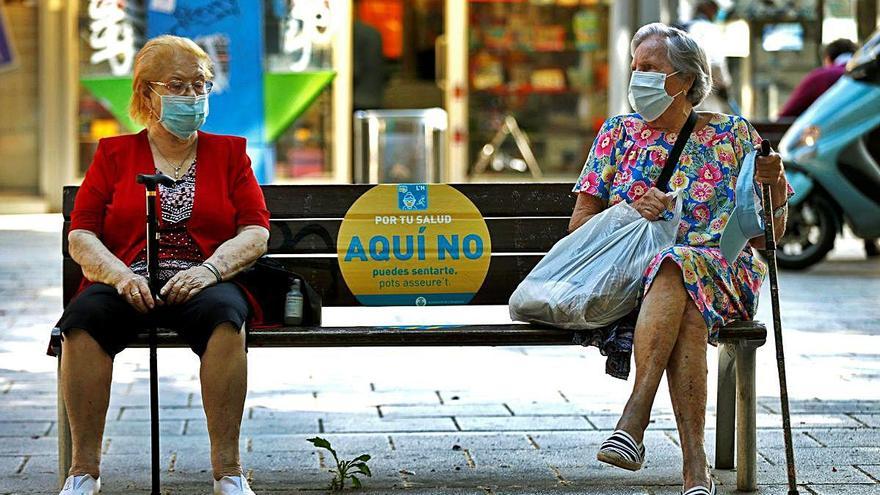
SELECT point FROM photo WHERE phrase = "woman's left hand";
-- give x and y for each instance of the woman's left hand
(186, 284)
(769, 169)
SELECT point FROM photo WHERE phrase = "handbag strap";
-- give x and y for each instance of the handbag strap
(675, 154)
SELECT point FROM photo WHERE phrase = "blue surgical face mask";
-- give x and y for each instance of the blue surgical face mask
(183, 115)
(647, 94)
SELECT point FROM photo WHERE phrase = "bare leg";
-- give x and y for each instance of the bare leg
(86, 373)
(686, 374)
(655, 336)
(224, 386)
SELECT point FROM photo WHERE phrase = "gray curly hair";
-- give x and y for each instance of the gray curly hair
(685, 55)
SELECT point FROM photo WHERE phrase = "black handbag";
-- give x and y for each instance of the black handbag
(269, 281)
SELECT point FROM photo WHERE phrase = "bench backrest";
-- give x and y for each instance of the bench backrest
(524, 221)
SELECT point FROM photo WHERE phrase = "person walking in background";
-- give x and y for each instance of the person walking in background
(708, 34)
(369, 67)
(836, 55)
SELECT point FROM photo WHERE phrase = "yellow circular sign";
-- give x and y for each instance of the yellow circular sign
(413, 244)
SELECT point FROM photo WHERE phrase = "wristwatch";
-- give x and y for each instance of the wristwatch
(780, 212)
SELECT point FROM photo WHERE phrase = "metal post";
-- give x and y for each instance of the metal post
(725, 408)
(866, 18)
(65, 445)
(746, 427)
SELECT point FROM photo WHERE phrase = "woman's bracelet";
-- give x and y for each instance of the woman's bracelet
(214, 270)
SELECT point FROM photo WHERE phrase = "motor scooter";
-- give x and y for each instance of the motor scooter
(832, 159)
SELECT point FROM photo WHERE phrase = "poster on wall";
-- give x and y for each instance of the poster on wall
(7, 51)
(231, 33)
(413, 245)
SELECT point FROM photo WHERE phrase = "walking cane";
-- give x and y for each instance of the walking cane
(151, 182)
(770, 253)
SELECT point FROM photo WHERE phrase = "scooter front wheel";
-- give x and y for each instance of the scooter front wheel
(809, 235)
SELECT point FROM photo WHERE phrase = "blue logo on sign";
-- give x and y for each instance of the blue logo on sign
(412, 197)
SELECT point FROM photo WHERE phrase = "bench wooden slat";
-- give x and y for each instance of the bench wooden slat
(505, 273)
(333, 200)
(510, 334)
(509, 235)
(773, 130)
(754, 332)
(318, 236)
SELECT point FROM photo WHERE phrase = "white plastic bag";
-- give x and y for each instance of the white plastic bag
(593, 277)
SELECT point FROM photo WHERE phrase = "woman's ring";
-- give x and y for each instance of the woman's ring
(135, 292)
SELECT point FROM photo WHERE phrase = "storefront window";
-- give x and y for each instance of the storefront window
(299, 64)
(399, 122)
(110, 34)
(786, 41)
(296, 72)
(839, 21)
(19, 98)
(537, 70)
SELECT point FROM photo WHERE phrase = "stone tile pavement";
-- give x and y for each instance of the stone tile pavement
(443, 421)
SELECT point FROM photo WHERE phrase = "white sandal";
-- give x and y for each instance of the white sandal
(232, 485)
(81, 485)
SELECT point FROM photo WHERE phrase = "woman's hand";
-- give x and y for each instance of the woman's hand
(187, 283)
(652, 205)
(135, 289)
(769, 169)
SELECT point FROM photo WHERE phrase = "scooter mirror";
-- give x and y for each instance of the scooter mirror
(865, 64)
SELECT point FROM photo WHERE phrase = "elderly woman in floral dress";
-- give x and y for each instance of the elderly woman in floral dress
(690, 289)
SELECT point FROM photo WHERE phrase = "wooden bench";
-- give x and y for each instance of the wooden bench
(524, 221)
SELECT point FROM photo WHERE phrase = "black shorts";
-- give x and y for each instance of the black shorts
(114, 323)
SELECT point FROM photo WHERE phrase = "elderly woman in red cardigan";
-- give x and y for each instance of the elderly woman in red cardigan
(213, 224)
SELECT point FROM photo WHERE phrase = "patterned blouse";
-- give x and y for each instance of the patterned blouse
(177, 249)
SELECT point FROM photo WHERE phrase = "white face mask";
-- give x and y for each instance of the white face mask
(647, 93)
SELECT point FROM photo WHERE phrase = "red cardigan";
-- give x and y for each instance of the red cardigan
(111, 203)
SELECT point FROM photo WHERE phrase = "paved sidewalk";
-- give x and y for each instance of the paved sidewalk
(524, 420)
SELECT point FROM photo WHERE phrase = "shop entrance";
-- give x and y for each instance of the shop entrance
(528, 87)
(411, 36)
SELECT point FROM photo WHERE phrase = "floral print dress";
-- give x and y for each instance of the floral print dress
(625, 162)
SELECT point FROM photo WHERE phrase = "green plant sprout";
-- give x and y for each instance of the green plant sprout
(344, 469)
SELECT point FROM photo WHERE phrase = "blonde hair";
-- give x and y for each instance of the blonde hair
(149, 65)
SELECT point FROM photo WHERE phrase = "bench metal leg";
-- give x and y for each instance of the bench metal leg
(63, 426)
(725, 407)
(746, 438)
